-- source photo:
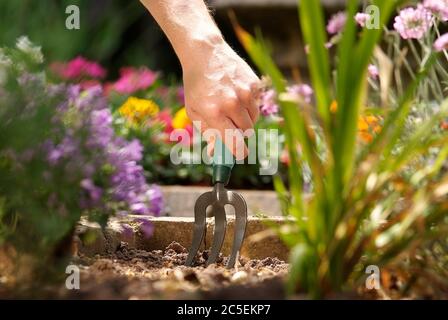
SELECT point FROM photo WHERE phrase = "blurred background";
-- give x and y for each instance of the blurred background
(121, 32)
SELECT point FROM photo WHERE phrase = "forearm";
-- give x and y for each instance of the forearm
(187, 24)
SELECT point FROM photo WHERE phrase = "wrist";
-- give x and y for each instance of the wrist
(198, 49)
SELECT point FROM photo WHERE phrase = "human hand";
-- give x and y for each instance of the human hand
(221, 93)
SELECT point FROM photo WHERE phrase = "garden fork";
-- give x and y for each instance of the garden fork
(223, 162)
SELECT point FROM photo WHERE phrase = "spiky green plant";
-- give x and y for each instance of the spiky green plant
(369, 202)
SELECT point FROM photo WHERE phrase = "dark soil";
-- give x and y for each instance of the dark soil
(130, 273)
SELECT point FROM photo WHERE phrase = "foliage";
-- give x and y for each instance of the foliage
(370, 202)
(115, 32)
(59, 159)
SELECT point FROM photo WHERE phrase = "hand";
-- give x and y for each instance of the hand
(220, 92)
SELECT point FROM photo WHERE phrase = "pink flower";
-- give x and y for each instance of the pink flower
(337, 23)
(268, 103)
(413, 23)
(132, 80)
(441, 43)
(78, 68)
(362, 18)
(438, 7)
(373, 71)
(165, 118)
(304, 91)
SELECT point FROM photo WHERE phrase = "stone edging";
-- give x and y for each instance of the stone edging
(260, 242)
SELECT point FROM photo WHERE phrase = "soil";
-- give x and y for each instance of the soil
(130, 273)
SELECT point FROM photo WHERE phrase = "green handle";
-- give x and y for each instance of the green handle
(223, 162)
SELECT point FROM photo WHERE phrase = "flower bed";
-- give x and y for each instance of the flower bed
(364, 174)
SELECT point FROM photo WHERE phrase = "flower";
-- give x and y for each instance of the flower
(362, 18)
(78, 68)
(268, 103)
(373, 71)
(337, 23)
(444, 125)
(146, 227)
(26, 46)
(180, 119)
(138, 110)
(94, 193)
(182, 122)
(284, 157)
(367, 126)
(90, 147)
(132, 80)
(413, 23)
(165, 118)
(155, 197)
(437, 7)
(334, 106)
(441, 43)
(303, 91)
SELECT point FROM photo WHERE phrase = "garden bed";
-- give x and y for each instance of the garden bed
(131, 273)
(119, 264)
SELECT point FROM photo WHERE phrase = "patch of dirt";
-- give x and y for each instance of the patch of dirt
(130, 273)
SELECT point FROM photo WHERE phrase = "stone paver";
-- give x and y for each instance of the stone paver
(180, 200)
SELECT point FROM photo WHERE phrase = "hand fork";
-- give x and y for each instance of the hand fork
(223, 162)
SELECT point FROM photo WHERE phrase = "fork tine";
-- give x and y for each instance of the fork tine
(240, 225)
(218, 233)
(200, 213)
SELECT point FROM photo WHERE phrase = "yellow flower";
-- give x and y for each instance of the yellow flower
(138, 110)
(181, 120)
(334, 106)
(367, 125)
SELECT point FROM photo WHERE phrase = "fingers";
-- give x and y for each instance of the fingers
(238, 113)
(230, 135)
(249, 99)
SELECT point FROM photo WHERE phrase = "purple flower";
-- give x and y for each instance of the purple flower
(337, 23)
(441, 43)
(373, 71)
(127, 230)
(413, 23)
(155, 197)
(362, 18)
(304, 91)
(438, 7)
(268, 103)
(133, 150)
(94, 193)
(146, 227)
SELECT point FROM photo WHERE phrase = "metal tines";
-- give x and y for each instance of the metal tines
(216, 200)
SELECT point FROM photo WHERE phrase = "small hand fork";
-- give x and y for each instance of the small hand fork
(223, 162)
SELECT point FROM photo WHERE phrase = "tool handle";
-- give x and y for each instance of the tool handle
(223, 162)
